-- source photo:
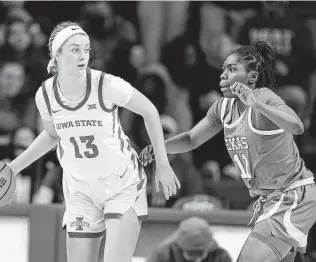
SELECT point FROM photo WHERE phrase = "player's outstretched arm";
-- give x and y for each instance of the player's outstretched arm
(44, 142)
(186, 141)
(208, 127)
(199, 134)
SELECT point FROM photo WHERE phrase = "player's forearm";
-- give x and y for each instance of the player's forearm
(40, 146)
(154, 130)
(180, 143)
(285, 119)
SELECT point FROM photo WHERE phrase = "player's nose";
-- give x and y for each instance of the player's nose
(223, 75)
(81, 56)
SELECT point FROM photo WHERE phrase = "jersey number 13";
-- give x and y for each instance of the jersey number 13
(90, 150)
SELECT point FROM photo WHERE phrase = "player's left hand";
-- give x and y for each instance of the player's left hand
(244, 93)
(169, 181)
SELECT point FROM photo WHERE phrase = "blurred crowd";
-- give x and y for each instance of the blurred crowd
(173, 53)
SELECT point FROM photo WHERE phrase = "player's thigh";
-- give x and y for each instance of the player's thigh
(268, 247)
(258, 250)
(121, 237)
(83, 249)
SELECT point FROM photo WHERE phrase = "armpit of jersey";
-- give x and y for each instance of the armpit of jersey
(116, 90)
(268, 97)
(214, 113)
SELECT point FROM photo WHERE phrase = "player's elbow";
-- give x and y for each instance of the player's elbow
(298, 128)
(150, 112)
(191, 140)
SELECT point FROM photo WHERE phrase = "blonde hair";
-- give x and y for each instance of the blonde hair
(56, 30)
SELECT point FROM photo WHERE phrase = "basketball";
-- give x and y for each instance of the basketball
(7, 184)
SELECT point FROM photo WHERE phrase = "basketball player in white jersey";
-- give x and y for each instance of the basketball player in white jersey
(104, 187)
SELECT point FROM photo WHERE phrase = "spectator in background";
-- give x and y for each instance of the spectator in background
(19, 46)
(15, 109)
(291, 41)
(13, 10)
(111, 36)
(17, 122)
(155, 83)
(161, 22)
(193, 241)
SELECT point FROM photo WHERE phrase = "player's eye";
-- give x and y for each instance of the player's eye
(75, 50)
(87, 50)
(232, 69)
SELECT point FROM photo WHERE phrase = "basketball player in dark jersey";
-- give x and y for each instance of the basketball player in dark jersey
(258, 131)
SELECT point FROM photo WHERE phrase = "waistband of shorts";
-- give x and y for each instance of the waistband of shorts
(259, 202)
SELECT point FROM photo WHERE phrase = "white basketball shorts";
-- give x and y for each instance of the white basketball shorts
(90, 203)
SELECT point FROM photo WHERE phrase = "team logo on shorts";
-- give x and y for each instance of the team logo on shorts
(79, 224)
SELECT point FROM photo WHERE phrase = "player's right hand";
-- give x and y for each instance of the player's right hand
(165, 176)
(147, 155)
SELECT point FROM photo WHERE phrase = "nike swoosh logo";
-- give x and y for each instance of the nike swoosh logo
(74, 28)
(121, 176)
(55, 111)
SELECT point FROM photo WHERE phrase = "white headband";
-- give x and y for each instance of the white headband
(61, 38)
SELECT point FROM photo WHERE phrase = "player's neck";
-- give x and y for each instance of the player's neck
(69, 82)
(241, 106)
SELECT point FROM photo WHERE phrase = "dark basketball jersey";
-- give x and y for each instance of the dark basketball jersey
(266, 156)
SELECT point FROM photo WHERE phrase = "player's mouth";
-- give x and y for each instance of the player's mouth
(81, 66)
(225, 88)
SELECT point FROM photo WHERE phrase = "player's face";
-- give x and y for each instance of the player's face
(75, 54)
(233, 71)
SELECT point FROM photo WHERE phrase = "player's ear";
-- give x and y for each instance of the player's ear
(253, 77)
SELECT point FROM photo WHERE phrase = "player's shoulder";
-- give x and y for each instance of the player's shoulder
(107, 78)
(220, 102)
(114, 79)
(220, 108)
(47, 84)
(264, 93)
(224, 103)
(262, 90)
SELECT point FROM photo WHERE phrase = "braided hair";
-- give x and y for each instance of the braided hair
(258, 56)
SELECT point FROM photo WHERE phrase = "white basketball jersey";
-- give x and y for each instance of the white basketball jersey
(92, 143)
